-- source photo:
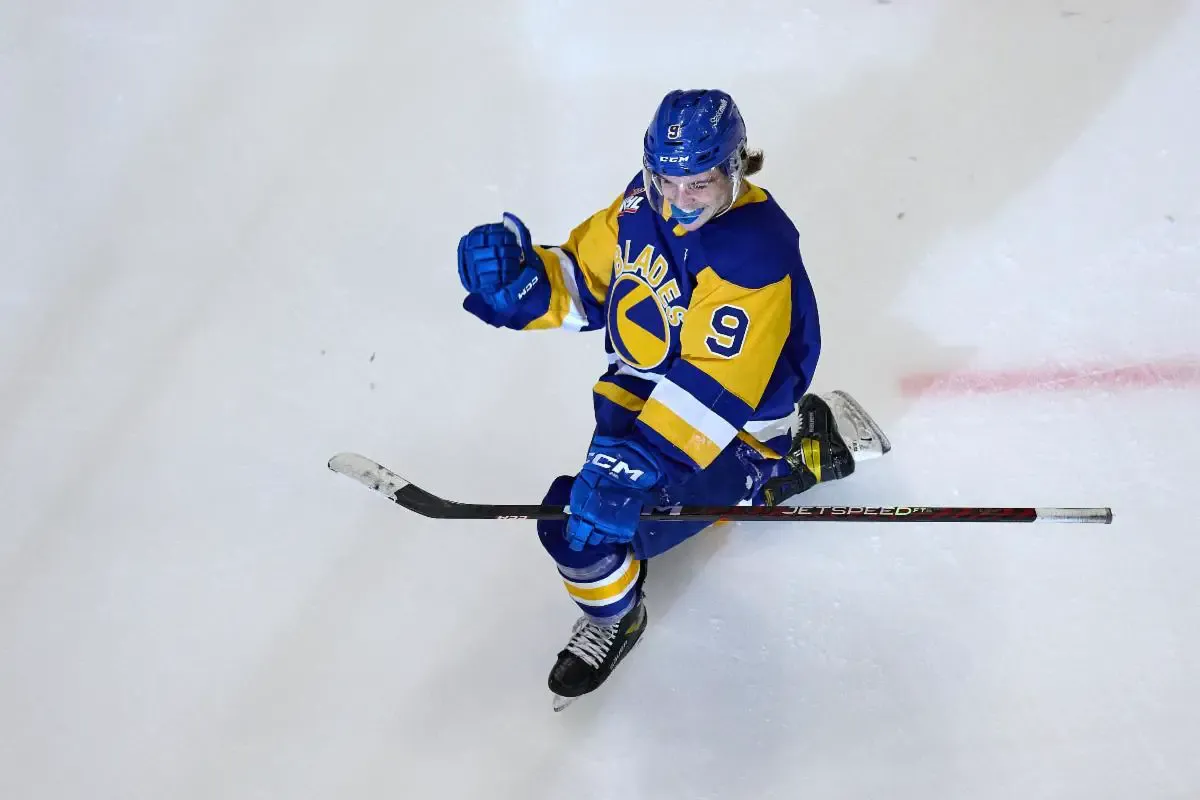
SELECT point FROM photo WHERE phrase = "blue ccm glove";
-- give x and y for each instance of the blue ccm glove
(619, 479)
(498, 266)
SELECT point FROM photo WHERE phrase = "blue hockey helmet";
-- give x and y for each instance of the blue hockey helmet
(692, 133)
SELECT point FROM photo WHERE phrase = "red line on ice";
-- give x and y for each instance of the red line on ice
(1148, 375)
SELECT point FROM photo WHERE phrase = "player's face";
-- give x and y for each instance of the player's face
(708, 191)
(695, 191)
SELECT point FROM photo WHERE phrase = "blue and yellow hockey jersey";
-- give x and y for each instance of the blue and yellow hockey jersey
(711, 334)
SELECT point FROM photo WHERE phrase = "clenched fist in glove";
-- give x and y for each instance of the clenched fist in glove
(498, 266)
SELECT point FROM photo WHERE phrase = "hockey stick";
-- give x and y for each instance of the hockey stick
(401, 492)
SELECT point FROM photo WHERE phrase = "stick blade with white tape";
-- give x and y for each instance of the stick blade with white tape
(404, 493)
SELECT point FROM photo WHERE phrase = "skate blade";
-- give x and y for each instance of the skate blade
(869, 440)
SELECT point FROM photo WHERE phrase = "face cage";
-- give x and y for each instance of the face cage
(733, 168)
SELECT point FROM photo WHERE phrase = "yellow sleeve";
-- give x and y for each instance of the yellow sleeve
(579, 272)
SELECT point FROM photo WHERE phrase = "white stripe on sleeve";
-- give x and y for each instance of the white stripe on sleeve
(576, 317)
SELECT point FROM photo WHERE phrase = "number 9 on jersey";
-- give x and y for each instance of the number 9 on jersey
(729, 326)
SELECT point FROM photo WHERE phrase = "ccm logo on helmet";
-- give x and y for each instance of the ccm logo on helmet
(674, 159)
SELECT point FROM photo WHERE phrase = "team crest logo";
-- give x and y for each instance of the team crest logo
(637, 323)
(640, 314)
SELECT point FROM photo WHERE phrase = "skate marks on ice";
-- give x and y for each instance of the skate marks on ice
(883, 171)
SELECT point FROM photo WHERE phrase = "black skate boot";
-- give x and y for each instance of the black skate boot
(834, 433)
(595, 650)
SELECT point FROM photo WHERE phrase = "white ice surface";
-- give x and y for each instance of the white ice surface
(227, 236)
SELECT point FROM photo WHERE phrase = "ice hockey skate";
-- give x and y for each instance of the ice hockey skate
(834, 433)
(594, 651)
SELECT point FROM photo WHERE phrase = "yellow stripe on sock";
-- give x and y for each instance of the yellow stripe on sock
(610, 592)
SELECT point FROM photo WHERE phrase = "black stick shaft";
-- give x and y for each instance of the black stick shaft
(381, 479)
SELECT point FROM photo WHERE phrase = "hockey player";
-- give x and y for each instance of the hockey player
(712, 337)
